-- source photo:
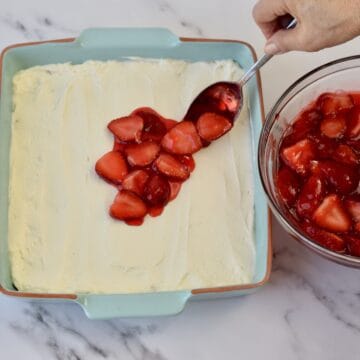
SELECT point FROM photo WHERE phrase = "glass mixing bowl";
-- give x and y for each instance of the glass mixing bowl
(342, 74)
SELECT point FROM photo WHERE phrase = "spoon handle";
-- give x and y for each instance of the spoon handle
(262, 61)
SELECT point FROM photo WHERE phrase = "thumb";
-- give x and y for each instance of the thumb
(283, 41)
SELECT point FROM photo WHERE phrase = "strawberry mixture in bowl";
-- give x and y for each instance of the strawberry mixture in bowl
(309, 161)
(319, 171)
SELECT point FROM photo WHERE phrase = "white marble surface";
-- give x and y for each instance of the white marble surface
(309, 310)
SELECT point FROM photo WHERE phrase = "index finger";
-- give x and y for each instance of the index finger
(266, 14)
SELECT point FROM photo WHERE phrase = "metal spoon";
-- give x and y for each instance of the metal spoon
(226, 97)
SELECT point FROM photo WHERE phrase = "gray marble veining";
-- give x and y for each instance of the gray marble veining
(166, 7)
(34, 28)
(61, 335)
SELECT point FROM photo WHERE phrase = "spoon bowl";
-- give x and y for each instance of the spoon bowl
(223, 98)
(226, 98)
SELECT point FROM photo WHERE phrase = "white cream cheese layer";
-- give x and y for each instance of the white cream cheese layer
(61, 238)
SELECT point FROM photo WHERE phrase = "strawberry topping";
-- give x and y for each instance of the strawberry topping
(344, 179)
(154, 126)
(175, 187)
(211, 126)
(353, 208)
(288, 185)
(299, 155)
(310, 196)
(334, 103)
(127, 206)
(318, 179)
(327, 239)
(171, 167)
(182, 139)
(127, 128)
(157, 191)
(353, 244)
(135, 181)
(346, 155)
(303, 126)
(331, 216)
(153, 154)
(112, 167)
(325, 146)
(151, 158)
(142, 154)
(333, 126)
(169, 123)
(353, 129)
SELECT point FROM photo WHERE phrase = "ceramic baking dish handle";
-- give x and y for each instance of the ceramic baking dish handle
(152, 304)
(127, 37)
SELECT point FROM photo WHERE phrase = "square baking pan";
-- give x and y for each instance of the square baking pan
(119, 44)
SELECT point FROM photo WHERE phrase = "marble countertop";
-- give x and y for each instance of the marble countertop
(309, 310)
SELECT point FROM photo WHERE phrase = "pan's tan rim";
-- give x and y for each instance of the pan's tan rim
(37, 295)
(221, 289)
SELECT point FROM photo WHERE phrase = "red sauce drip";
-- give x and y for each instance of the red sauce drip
(156, 211)
(319, 171)
(135, 222)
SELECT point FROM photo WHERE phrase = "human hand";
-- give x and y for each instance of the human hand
(320, 23)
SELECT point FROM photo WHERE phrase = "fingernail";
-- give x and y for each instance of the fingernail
(271, 49)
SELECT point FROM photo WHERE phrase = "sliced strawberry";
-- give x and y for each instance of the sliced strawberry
(310, 196)
(299, 155)
(171, 167)
(211, 126)
(331, 215)
(344, 179)
(127, 206)
(353, 131)
(112, 167)
(353, 208)
(154, 127)
(334, 126)
(187, 160)
(288, 185)
(182, 139)
(225, 95)
(127, 128)
(169, 123)
(305, 124)
(156, 211)
(346, 155)
(119, 146)
(175, 187)
(353, 245)
(157, 191)
(142, 154)
(332, 103)
(326, 239)
(135, 181)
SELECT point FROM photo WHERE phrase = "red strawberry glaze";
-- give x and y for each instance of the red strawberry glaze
(319, 171)
(156, 158)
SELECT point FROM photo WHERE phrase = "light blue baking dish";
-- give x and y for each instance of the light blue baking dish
(119, 43)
